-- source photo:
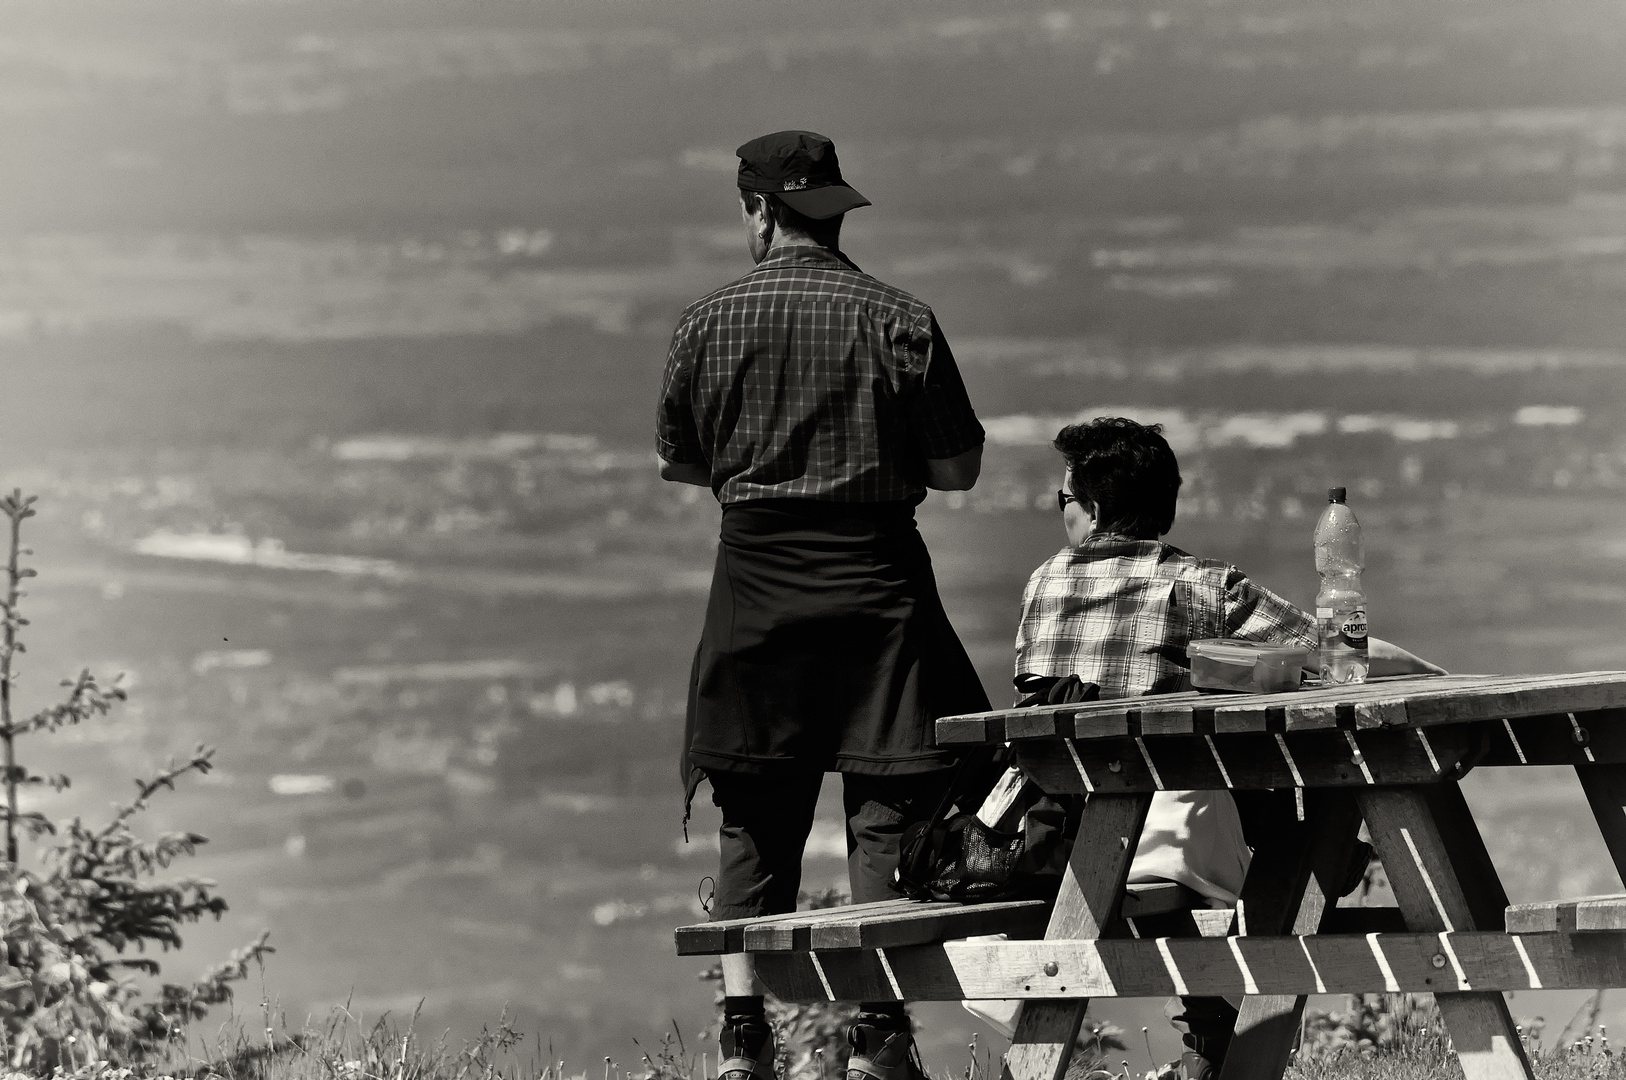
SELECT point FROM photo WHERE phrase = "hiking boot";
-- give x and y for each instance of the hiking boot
(747, 1050)
(883, 1053)
(1190, 1066)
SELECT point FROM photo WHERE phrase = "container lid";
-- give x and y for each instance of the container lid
(1234, 651)
(1336, 495)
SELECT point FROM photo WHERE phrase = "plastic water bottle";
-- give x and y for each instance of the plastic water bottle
(1340, 606)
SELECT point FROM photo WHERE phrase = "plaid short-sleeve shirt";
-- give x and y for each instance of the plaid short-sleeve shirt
(1120, 612)
(809, 379)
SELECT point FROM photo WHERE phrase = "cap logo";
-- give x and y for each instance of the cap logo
(796, 185)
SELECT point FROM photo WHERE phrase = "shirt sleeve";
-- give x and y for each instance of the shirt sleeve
(1027, 625)
(942, 423)
(677, 438)
(1254, 613)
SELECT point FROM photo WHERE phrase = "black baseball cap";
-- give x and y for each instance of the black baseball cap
(801, 168)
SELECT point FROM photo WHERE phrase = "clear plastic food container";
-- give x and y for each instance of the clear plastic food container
(1250, 667)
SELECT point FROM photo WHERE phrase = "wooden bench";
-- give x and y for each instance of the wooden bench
(1150, 909)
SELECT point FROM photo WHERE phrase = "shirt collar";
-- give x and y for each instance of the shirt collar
(1110, 543)
(806, 255)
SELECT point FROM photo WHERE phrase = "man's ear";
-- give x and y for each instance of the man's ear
(757, 209)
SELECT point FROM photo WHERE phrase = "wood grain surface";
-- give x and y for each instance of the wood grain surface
(1603, 779)
(888, 923)
(1309, 759)
(1443, 880)
(1415, 701)
(1086, 907)
(1581, 913)
(1461, 961)
(1290, 888)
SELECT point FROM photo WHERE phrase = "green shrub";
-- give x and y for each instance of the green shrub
(69, 993)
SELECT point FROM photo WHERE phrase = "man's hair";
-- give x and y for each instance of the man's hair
(826, 232)
(1127, 470)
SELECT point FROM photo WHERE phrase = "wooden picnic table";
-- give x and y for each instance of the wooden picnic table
(1389, 752)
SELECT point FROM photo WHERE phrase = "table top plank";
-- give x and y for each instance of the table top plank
(1413, 701)
(1321, 707)
(1451, 699)
(1584, 692)
(1175, 714)
(1364, 705)
(1255, 713)
(1165, 714)
(1089, 719)
(1255, 760)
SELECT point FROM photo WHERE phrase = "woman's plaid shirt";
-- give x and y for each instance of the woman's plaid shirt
(809, 379)
(1119, 613)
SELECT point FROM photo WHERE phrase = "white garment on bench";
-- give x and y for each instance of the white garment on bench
(1192, 837)
(1195, 838)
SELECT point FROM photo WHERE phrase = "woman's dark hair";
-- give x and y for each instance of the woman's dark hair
(1127, 470)
(826, 232)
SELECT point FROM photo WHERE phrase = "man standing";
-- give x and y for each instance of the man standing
(818, 404)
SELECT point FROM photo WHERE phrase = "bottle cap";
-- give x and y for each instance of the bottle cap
(1335, 495)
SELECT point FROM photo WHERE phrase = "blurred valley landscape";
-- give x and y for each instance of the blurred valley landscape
(330, 337)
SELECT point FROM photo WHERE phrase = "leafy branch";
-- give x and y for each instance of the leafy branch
(65, 986)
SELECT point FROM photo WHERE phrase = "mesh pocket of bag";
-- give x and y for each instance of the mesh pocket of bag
(973, 862)
(987, 855)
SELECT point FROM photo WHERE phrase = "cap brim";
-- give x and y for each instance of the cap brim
(824, 202)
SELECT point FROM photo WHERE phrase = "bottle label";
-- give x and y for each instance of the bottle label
(1353, 629)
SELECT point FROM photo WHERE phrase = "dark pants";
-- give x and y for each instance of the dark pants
(766, 820)
(1205, 1024)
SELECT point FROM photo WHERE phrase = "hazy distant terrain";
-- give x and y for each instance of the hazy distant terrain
(330, 335)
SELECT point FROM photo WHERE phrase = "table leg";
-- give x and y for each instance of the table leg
(1605, 787)
(1290, 886)
(1443, 880)
(1090, 893)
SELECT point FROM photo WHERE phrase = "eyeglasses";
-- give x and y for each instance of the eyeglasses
(1063, 498)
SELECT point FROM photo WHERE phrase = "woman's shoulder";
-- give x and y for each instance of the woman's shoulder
(1057, 568)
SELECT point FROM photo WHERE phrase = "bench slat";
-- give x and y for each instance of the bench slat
(1581, 913)
(892, 923)
(888, 923)
(858, 926)
(728, 935)
(1019, 919)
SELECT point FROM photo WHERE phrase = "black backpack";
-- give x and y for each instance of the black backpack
(953, 855)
